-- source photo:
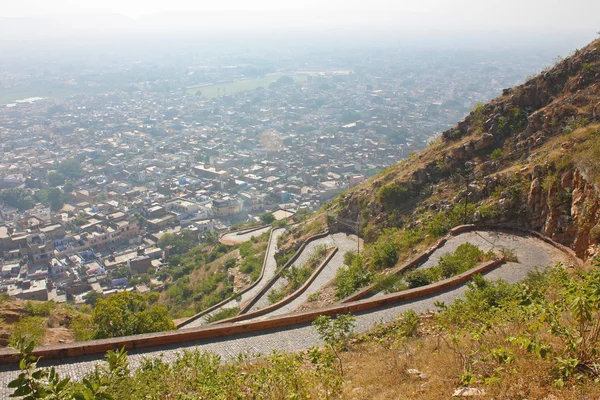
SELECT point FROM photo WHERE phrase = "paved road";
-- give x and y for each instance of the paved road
(298, 337)
(525, 247)
(270, 268)
(342, 241)
(242, 236)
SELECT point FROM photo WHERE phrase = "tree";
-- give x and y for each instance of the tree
(18, 198)
(93, 296)
(335, 332)
(267, 218)
(181, 243)
(128, 313)
(51, 197)
(55, 178)
(68, 188)
(70, 169)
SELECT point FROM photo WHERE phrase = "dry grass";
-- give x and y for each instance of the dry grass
(378, 370)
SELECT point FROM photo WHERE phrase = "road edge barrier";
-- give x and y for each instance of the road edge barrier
(227, 300)
(293, 296)
(100, 346)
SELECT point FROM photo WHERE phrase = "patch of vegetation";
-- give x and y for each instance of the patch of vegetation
(464, 258)
(477, 118)
(295, 277)
(223, 314)
(267, 218)
(393, 195)
(192, 375)
(513, 121)
(574, 123)
(352, 276)
(198, 279)
(30, 329)
(496, 154)
(128, 313)
(18, 198)
(40, 309)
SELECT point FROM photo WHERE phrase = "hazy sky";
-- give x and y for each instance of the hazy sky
(508, 20)
(561, 14)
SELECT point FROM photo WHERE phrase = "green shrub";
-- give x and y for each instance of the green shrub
(230, 263)
(393, 195)
(389, 283)
(418, 277)
(40, 309)
(276, 295)
(350, 278)
(465, 257)
(497, 153)
(384, 254)
(223, 314)
(29, 329)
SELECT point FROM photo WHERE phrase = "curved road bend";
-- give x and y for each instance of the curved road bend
(243, 236)
(342, 241)
(527, 249)
(301, 336)
(270, 268)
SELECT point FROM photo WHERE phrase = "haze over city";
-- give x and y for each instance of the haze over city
(248, 178)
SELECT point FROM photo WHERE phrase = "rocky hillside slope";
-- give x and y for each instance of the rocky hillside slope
(529, 158)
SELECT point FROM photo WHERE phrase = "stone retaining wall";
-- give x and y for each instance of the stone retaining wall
(227, 329)
(286, 300)
(246, 307)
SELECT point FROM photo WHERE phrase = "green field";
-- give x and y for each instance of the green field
(7, 98)
(215, 90)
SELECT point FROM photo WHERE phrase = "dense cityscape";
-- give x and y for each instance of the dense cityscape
(101, 163)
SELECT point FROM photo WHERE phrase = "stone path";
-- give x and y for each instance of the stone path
(242, 236)
(343, 242)
(534, 254)
(270, 268)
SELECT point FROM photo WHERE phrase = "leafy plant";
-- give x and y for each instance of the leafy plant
(34, 383)
(335, 332)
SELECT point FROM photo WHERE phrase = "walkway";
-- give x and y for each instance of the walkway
(535, 254)
(270, 268)
(342, 241)
(242, 236)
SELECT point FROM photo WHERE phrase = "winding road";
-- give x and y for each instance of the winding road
(242, 236)
(532, 254)
(270, 268)
(342, 241)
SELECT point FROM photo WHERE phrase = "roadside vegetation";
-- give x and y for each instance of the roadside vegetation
(205, 275)
(295, 276)
(531, 339)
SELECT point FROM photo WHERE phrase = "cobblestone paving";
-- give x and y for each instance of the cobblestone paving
(298, 337)
(342, 241)
(270, 268)
(241, 237)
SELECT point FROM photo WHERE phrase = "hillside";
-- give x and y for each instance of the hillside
(526, 160)
(43, 322)
(529, 159)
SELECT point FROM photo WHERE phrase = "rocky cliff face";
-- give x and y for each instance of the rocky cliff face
(516, 155)
(568, 211)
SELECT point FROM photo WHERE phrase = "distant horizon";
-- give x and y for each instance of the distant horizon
(428, 18)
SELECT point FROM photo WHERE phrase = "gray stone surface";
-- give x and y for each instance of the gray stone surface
(342, 241)
(242, 236)
(270, 268)
(532, 254)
